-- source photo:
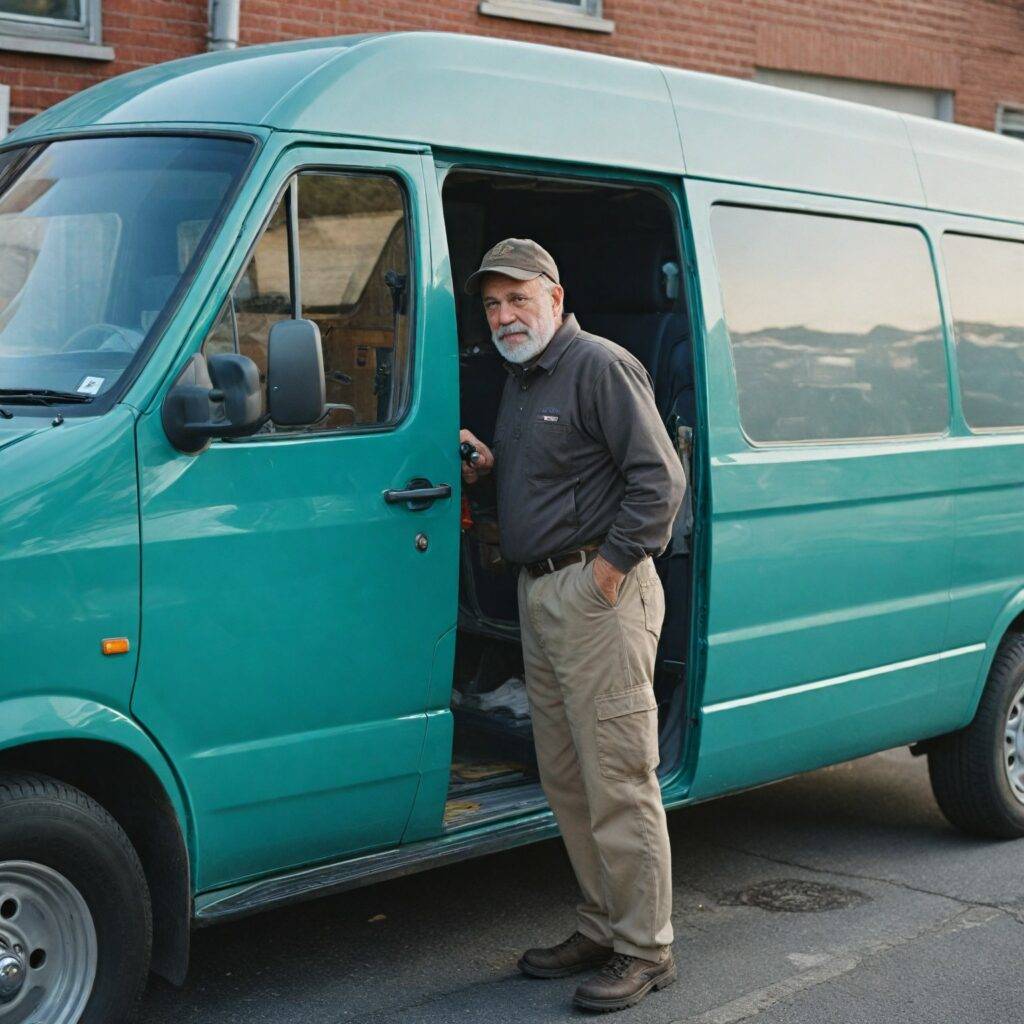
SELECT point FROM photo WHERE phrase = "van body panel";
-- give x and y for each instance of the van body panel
(445, 89)
(762, 135)
(453, 90)
(308, 744)
(220, 87)
(69, 559)
(988, 568)
(772, 739)
(968, 170)
(45, 717)
(12, 433)
(830, 569)
(442, 89)
(427, 817)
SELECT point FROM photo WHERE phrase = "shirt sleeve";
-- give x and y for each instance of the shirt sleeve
(622, 413)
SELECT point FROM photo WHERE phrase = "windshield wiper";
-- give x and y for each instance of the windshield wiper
(42, 396)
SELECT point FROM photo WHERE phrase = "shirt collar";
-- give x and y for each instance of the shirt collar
(560, 341)
(552, 352)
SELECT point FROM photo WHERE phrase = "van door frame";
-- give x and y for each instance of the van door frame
(671, 189)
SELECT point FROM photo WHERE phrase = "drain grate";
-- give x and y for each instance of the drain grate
(795, 896)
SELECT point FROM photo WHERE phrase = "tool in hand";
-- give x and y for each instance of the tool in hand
(469, 453)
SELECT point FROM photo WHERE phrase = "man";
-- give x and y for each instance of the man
(588, 486)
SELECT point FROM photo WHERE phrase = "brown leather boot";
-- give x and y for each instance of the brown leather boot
(623, 981)
(576, 953)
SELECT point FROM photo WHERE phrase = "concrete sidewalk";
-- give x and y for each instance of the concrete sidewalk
(898, 918)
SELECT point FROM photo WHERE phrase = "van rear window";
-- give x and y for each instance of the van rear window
(986, 291)
(834, 326)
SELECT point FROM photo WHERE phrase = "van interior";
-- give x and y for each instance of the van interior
(618, 254)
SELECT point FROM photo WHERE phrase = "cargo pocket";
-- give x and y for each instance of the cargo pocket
(627, 733)
(652, 597)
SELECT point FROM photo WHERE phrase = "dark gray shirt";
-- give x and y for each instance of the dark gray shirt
(581, 453)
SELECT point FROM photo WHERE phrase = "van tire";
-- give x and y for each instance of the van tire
(51, 832)
(966, 767)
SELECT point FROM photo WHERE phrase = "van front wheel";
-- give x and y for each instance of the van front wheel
(977, 773)
(75, 926)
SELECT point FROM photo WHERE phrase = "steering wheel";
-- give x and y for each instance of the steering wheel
(129, 339)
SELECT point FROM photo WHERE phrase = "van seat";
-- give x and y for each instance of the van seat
(659, 340)
(621, 294)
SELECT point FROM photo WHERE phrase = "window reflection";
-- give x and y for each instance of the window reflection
(834, 326)
(355, 279)
(985, 278)
(354, 284)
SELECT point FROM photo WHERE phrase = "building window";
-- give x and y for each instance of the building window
(584, 14)
(907, 99)
(70, 28)
(1010, 121)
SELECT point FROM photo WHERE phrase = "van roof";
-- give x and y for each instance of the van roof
(493, 95)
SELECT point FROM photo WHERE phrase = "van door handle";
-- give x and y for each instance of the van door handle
(418, 494)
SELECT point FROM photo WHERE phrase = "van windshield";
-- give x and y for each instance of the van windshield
(96, 235)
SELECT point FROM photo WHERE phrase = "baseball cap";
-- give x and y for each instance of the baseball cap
(521, 258)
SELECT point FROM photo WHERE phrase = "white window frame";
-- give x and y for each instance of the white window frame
(56, 36)
(582, 14)
(1010, 120)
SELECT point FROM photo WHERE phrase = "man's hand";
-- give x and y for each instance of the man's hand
(608, 578)
(472, 473)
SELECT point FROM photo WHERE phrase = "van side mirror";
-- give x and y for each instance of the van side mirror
(296, 388)
(216, 397)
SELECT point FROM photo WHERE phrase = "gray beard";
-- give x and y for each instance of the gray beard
(525, 351)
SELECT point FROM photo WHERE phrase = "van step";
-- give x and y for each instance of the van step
(327, 879)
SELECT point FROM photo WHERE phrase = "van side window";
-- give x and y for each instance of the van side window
(986, 290)
(261, 298)
(355, 286)
(834, 326)
(354, 283)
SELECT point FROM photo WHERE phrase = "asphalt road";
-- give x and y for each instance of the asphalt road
(903, 919)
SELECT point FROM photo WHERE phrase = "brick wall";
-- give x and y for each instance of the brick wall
(973, 47)
(141, 32)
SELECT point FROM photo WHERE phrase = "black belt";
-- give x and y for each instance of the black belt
(546, 565)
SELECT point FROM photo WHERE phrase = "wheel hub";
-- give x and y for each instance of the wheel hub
(12, 973)
(1013, 748)
(48, 948)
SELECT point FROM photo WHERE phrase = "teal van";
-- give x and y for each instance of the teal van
(254, 646)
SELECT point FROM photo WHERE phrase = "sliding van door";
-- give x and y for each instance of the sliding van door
(830, 480)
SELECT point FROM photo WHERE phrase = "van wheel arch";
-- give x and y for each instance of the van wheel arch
(125, 786)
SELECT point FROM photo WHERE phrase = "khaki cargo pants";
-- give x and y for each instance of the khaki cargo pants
(589, 677)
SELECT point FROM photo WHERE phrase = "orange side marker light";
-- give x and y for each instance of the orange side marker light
(116, 645)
